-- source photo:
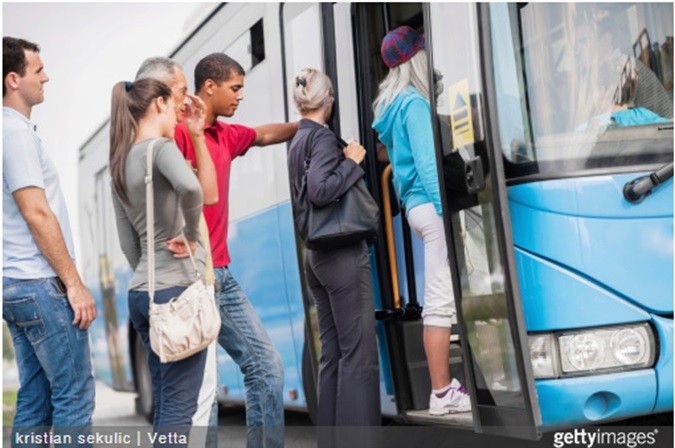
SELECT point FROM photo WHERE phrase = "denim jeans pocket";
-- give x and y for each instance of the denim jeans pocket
(25, 313)
(56, 288)
(57, 292)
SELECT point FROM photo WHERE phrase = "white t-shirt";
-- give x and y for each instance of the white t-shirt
(25, 163)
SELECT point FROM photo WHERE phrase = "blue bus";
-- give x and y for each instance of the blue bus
(554, 140)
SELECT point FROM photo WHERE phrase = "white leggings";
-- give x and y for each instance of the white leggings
(439, 300)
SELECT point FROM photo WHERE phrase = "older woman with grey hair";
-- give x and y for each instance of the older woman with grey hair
(339, 279)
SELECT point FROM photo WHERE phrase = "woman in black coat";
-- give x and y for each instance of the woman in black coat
(339, 279)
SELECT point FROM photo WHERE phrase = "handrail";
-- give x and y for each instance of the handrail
(389, 231)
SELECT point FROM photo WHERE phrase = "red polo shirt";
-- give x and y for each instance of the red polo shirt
(225, 142)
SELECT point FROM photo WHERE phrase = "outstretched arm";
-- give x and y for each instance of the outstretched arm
(269, 134)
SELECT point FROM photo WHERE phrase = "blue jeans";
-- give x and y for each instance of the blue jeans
(175, 385)
(244, 338)
(57, 386)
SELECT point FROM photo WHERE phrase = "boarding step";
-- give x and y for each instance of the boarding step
(462, 420)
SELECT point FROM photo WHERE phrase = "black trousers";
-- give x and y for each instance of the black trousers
(349, 380)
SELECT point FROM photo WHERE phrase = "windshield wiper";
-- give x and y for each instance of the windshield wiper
(638, 189)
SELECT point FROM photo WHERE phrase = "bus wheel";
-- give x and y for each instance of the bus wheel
(309, 383)
(144, 402)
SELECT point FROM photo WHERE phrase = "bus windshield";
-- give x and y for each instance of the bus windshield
(583, 86)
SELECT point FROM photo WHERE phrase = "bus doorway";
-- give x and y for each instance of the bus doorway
(399, 252)
(104, 250)
(489, 351)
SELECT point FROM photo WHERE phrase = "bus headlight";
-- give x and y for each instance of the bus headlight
(604, 349)
(597, 350)
(544, 355)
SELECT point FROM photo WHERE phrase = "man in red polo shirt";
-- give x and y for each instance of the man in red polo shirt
(219, 81)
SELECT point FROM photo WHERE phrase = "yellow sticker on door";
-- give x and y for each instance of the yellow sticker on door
(460, 114)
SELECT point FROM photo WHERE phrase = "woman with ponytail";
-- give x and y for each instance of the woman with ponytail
(143, 118)
(339, 279)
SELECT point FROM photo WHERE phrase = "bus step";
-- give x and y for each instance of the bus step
(462, 420)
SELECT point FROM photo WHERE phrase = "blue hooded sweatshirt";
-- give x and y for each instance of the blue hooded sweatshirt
(404, 127)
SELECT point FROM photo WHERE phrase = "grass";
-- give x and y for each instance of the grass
(8, 396)
(8, 407)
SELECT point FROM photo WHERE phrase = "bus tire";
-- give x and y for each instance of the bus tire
(309, 383)
(145, 405)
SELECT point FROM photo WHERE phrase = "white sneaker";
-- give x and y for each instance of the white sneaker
(454, 401)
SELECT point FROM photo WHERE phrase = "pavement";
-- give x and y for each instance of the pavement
(115, 412)
(115, 408)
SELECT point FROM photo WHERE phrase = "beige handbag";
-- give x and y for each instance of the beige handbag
(188, 323)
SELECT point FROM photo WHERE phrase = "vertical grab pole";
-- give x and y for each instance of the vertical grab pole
(389, 231)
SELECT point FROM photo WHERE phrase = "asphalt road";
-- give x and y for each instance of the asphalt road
(115, 412)
(116, 409)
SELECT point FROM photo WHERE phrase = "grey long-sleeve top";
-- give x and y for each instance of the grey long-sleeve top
(178, 206)
(330, 174)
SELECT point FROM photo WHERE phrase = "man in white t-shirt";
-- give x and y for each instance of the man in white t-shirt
(47, 307)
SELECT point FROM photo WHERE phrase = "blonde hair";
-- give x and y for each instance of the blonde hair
(413, 72)
(311, 90)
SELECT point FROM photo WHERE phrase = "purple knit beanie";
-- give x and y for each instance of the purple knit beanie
(400, 44)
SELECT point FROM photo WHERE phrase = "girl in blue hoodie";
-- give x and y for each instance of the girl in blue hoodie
(403, 123)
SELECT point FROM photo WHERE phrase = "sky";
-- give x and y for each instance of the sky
(86, 48)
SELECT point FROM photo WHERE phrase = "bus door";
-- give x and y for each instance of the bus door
(398, 260)
(105, 235)
(352, 58)
(478, 231)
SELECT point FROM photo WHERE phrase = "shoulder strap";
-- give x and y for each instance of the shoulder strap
(150, 219)
(308, 147)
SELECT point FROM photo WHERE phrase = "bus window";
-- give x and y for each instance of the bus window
(303, 44)
(249, 48)
(573, 77)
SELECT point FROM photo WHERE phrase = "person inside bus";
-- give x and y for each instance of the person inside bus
(143, 112)
(403, 123)
(171, 73)
(219, 82)
(626, 111)
(339, 279)
(614, 89)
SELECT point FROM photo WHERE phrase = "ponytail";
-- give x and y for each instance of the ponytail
(123, 128)
(130, 103)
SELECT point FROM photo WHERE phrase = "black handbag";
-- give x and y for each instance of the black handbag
(351, 218)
